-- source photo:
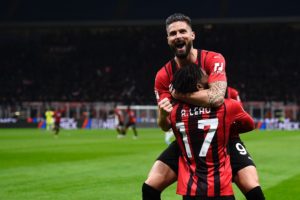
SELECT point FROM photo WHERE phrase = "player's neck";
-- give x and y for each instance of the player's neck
(191, 58)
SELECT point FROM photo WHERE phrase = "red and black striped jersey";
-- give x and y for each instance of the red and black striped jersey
(202, 135)
(119, 115)
(131, 116)
(212, 63)
(57, 116)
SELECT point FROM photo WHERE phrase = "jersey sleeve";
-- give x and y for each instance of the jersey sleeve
(161, 85)
(234, 94)
(241, 121)
(214, 65)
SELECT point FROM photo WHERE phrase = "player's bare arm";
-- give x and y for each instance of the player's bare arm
(164, 109)
(212, 97)
(216, 93)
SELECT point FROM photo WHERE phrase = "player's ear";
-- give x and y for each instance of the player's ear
(200, 86)
(193, 35)
(167, 31)
(168, 40)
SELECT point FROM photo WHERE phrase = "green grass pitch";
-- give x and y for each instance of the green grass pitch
(94, 164)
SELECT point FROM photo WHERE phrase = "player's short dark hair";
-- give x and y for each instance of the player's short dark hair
(186, 78)
(176, 17)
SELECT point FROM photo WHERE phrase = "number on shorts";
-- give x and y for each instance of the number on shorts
(212, 123)
(241, 148)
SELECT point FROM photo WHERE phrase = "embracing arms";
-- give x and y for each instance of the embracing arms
(211, 97)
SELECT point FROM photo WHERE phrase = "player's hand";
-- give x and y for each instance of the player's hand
(165, 106)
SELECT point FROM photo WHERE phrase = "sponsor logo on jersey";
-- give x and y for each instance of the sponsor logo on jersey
(218, 68)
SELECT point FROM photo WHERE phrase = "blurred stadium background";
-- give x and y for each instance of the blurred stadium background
(86, 57)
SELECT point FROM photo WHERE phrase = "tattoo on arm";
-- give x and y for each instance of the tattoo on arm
(216, 93)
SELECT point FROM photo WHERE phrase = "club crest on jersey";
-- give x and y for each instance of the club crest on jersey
(195, 111)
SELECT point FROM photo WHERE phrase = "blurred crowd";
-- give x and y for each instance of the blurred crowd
(119, 63)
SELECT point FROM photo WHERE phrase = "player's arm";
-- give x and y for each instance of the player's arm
(211, 97)
(163, 96)
(165, 107)
(243, 122)
(214, 67)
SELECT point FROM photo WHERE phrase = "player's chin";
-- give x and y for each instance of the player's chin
(181, 54)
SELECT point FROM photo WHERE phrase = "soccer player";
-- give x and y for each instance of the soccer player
(119, 119)
(244, 171)
(131, 122)
(49, 119)
(57, 117)
(202, 134)
(180, 38)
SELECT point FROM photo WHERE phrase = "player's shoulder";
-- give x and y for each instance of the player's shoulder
(233, 106)
(231, 102)
(233, 94)
(208, 54)
(163, 71)
(232, 90)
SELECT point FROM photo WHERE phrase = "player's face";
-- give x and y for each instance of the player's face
(180, 38)
(203, 84)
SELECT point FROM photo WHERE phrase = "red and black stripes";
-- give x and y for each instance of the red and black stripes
(215, 155)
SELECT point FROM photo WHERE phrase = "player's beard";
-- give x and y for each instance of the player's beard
(184, 54)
